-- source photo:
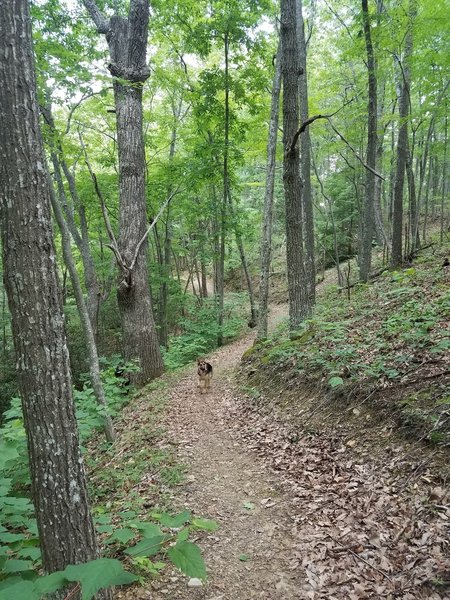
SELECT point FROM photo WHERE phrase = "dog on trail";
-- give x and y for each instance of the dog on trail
(204, 372)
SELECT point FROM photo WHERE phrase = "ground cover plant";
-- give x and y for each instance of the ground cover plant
(137, 541)
(391, 337)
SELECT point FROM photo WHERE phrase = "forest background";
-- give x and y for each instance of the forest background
(363, 127)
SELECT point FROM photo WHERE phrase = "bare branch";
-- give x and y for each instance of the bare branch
(113, 246)
(101, 22)
(152, 224)
(364, 164)
(305, 124)
(75, 106)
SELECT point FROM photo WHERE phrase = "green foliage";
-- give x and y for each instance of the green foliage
(201, 330)
(165, 536)
(389, 331)
(186, 556)
(92, 577)
(18, 530)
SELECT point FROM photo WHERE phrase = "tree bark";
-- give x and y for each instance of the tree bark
(223, 209)
(290, 68)
(402, 147)
(266, 236)
(94, 366)
(127, 41)
(368, 216)
(305, 162)
(81, 235)
(59, 491)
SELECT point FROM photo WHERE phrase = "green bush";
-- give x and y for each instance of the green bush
(201, 330)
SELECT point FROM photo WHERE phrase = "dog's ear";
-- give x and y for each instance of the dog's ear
(198, 361)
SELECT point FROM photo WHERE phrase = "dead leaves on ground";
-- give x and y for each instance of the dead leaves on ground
(363, 529)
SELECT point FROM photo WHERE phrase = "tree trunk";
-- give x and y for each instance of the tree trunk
(402, 148)
(368, 216)
(59, 491)
(127, 41)
(444, 182)
(226, 184)
(94, 366)
(290, 68)
(266, 236)
(305, 162)
(248, 279)
(81, 236)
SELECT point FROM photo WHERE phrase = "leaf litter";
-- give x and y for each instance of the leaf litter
(326, 523)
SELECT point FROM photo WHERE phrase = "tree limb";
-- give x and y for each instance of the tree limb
(364, 164)
(101, 22)
(305, 124)
(113, 246)
(152, 224)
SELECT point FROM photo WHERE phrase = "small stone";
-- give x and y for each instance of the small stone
(194, 582)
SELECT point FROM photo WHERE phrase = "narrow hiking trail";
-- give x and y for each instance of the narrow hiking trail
(309, 522)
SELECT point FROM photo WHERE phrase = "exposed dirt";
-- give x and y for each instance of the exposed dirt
(301, 517)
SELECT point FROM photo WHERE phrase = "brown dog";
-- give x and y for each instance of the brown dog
(204, 372)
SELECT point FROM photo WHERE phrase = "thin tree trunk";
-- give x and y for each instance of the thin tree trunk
(223, 211)
(427, 200)
(305, 162)
(368, 216)
(241, 250)
(66, 530)
(81, 238)
(444, 181)
(402, 147)
(266, 236)
(94, 366)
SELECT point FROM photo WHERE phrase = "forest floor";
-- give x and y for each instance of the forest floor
(300, 517)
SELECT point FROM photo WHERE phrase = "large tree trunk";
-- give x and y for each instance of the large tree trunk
(127, 40)
(305, 162)
(290, 68)
(266, 237)
(368, 216)
(59, 489)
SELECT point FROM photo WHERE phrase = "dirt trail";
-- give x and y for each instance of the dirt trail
(274, 541)
(227, 483)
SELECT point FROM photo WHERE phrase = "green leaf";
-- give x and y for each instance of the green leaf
(176, 521)
(249, 505)
(335, 382)
(33, 553)
(105, 528)
(244, 557)
(148, 529)
(148, 546)
(206, 524)
(187, 557)
(183, 535)
(98, 574)
(121, 535)
(50, 583)
(25, 590)
(15, 565)
(128, 514)
(10, 538)
(7, 452)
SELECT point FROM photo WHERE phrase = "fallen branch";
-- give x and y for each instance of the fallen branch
(360, 558)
